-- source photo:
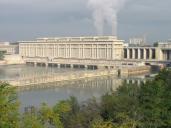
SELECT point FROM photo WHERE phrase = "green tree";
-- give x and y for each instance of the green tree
(49, 118)
(90, 111)
(62, 107)
(130, 106)
(46, 115)
(61, 111)
(155, 101)
(81, 116)
(99, 123)
(31, 120)
(155, 44)
(74, 104)
(70, 116)
(151, 104)
(9, 116)
(121, 106)
(2, 53)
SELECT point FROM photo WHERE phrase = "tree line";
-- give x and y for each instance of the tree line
(132, 106)
(2, 53)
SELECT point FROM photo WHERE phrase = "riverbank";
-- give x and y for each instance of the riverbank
(2, 62)
(12, 60)
(59, 77)
(34, 79)
(133, 71)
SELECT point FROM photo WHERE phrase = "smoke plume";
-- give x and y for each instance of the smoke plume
(105, 11)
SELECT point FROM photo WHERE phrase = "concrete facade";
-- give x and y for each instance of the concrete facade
(161, 52)
(137, 41)
(94, 52)
(106, 48)
(13, 59)
(141, 53)
(104, 51)
(9, 48)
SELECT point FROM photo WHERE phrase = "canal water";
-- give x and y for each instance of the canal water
(51, 93)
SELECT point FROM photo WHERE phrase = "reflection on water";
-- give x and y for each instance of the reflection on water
(82, 89)
(53, 92)
(11, 72)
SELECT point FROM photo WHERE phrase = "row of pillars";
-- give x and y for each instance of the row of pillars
(134, 81)
(166, 54)
(137, 53)
(76, 66)
(92, 67)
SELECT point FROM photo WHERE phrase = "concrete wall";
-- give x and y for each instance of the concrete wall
(10, 49)
(135, 70)
(13, 59)
(76, 48)
(61, 77)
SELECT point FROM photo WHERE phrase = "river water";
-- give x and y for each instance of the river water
(51, 93)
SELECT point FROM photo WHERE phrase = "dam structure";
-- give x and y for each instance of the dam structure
(84, 52)
(97, 52)
(105, 55)
(152, 55)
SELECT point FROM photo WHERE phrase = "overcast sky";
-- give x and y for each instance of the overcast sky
(29, 19)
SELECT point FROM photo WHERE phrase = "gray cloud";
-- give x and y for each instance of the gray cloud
(28, 19)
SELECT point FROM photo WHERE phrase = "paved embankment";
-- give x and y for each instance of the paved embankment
(55, 77)
(130, 71)
(77, 75)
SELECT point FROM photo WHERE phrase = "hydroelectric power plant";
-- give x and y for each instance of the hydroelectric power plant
(106, 55)
(102, 51)
(56, 68)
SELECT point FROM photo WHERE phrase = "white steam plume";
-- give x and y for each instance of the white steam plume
(105, 11)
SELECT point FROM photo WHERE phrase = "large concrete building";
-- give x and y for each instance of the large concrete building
(107, 48)
(9, 48)
(136, 41)
(101, 51)
(161, 52)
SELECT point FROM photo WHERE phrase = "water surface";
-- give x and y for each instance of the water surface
(51, 93)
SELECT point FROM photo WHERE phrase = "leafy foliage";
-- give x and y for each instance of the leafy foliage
(2, 53)
(31, 120)
(9, 117)
(131, 106)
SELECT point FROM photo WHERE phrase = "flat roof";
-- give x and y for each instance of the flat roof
(76, 39)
